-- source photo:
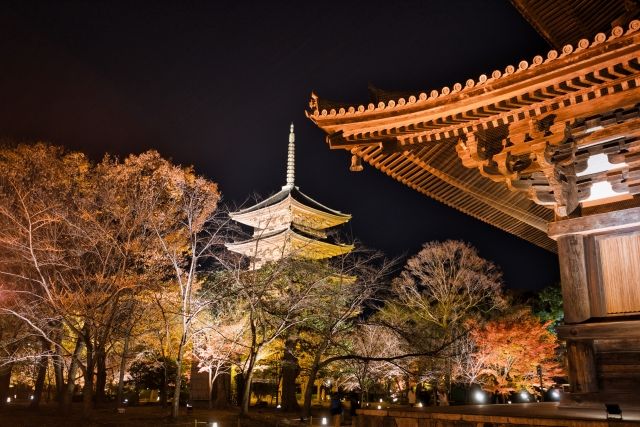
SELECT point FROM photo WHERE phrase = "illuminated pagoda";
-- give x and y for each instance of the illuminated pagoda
(547, 149)
(289, 223)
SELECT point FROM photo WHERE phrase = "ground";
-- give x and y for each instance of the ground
(142, 416)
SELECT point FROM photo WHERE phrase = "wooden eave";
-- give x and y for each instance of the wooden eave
(288, 242)
(295, 209)
(413, 140)
(361, 122)
(567, 21)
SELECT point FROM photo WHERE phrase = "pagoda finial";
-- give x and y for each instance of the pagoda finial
(291, 158)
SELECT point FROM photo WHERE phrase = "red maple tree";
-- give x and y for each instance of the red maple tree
(512, 348)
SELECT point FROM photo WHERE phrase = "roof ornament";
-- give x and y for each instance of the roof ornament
(291, 159)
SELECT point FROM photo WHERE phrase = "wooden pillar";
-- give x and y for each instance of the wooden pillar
(573, 275)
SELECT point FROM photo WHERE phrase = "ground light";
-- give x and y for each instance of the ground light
(478, 396)
(379, 406)
(524, 396)
(324, 421)
(555, 394)
(214, 424)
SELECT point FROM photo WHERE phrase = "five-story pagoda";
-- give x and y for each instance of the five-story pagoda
(289, 224)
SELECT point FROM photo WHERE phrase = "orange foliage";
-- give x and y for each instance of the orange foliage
(511, 348)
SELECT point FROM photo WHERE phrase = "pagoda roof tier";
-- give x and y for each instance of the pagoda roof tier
(289, 205)
(527, 127)
(272, 246)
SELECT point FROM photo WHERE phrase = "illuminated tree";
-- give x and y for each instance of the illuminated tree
(440, 289)
(371, 341)
(272, 307)
(511, 348)
(218, 346)
(84, 241)
(346, 286)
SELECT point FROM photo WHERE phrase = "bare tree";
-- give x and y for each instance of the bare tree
(345, 287)
(188, 234)
(371, 341)
(273, 306)
(441, 288)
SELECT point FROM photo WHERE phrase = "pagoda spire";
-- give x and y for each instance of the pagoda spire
(291, 159)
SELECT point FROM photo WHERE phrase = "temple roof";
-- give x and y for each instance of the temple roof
(416, 139)
(562, 22)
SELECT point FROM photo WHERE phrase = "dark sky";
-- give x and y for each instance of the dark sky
(216, 84)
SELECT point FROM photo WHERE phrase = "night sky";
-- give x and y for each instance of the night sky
(215, 85)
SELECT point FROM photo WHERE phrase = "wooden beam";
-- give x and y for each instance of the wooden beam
(621, 329)
(609, 221)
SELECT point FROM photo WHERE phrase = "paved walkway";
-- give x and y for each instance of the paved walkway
(550, 414)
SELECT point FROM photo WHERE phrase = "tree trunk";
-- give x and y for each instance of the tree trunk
(175, 405)
(65, 402)
(43, 362)
(308, 391)
(101, 376)
(87, 390)
(57, 362)
(123, 366)
(246, 391)
(164, 387)
(209, 387)
(5, 382)
(290, 371)
(313, 372)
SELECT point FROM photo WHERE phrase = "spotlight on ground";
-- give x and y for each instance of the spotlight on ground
(478, 396)
(555, 394)
(524, 396)
(324, 421)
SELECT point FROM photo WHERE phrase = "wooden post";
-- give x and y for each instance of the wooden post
(573, 275)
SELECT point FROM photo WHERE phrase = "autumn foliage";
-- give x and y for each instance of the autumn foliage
(510, 349)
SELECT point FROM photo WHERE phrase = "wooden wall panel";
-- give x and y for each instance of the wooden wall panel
(620, 269)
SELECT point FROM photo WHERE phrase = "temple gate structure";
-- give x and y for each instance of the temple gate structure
(547, 149)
